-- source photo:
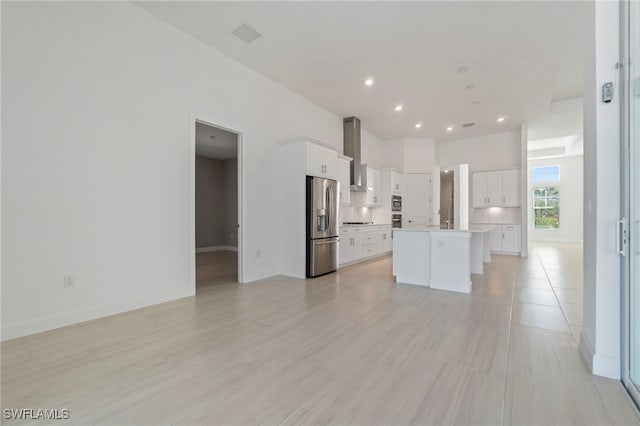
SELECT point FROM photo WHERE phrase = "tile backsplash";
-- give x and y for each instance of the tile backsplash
(355, 214)
(508, 215)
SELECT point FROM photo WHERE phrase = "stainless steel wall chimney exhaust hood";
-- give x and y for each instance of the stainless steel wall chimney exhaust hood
(352, 148)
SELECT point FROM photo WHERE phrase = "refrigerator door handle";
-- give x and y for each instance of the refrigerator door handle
(324, 241)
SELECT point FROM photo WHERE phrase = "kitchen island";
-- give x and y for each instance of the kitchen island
(440, 258)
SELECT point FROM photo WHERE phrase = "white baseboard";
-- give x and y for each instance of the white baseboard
(559, 240)
(598, 364)
(506, 253)
(458, 287)
(50, 322)
(215, 248)
(606, 367)
(363, 259)
(586, 350)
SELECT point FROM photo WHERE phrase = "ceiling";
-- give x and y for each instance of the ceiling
(216, 143)
(519, 57)
(558, 134)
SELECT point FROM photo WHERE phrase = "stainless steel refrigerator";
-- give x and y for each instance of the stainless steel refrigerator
(322, 226)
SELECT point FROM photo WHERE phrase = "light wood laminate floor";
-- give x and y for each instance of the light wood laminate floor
(347, 348)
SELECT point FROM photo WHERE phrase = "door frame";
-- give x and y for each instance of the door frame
(625, 177)
(209, 120)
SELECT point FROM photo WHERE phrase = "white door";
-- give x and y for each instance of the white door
(416, 202)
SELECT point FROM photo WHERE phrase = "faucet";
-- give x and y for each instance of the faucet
(448, 221)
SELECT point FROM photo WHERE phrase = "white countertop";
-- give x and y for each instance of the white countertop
(365, 224)
(436, 228)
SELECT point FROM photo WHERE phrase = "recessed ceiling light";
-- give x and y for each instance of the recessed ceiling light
(246, 33)
(368, 82)
(450, 128)
(418, 125)
(398, 107)
(500, 119)
(462, 70)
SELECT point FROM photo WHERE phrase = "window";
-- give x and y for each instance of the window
(546, 197)
(546, 207)
(546, 174)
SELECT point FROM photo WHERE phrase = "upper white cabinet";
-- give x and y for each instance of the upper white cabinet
(396, 182)
(344, 179)
(511, 188)
(374, 187)
(496, 189)
(321, 161)
(479, 189)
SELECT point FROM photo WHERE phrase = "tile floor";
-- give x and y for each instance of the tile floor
(348, 348)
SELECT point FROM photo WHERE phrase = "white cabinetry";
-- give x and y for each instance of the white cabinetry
(506, 239)
(296, 160)
(363, 242)
(396, 182)
(479, 189)
(511, 188)
(384, 241)
(344, 179)
(374, 187)
(496, 189)
(321, 161)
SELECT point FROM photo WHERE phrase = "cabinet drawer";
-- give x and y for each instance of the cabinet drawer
(369, 249)
(368, 238)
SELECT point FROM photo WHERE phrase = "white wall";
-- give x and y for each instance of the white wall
(571, 204)
(210, 202)
(98, 102)
(231, 202)
(600, 337)
(500, 151)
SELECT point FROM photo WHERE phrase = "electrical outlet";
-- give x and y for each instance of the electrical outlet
(68, 281)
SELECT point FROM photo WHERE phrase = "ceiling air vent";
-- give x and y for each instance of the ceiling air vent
(246, 33)
(468, 124)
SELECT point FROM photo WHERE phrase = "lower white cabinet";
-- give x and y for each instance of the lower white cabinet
(363, 242)
(506, 239)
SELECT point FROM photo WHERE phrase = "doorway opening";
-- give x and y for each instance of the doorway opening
(216, 206)
(554, 209)
(447, 197)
